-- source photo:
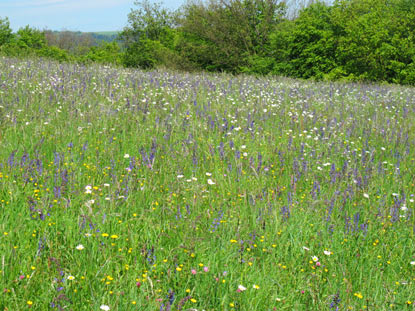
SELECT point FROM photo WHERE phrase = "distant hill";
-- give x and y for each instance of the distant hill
(107, 36)
(77, 42)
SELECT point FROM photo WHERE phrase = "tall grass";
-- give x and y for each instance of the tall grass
(130, 190)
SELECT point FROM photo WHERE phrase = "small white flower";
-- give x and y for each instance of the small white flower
(366, 195)
(241, 288)
(194, 178)
(89, 203)
(106, 185)
(180, 176)
(315, 258)
(126, 156)
(88, 189)
(71, 278)
(404, 208)
(88, 234)
(328, 253)
(210, 182)
(395, 194)
(245, 154)
(243, 147)
(413, 263)
(306, 248)
(104, 307)
(80, 247)
(209, 174)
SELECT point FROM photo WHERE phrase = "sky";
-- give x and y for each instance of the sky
(76, 15)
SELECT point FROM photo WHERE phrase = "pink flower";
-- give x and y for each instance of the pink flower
(206, 269)
(194, 271)
(138, 284)
(318, 264)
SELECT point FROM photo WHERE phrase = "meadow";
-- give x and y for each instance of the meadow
(129, 190)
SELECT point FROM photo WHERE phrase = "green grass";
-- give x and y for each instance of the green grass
(168, 191)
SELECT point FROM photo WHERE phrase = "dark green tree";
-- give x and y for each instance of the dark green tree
(313, 43)
(235, 32)
(378, 39)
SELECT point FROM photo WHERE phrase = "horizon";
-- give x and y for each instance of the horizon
(72, 15)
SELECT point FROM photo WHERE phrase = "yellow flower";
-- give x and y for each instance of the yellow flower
(114, 236)
(193, 300)
(358, 295)
(105, 235)
(29, 302)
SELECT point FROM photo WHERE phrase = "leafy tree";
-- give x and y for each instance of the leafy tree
(378, 41)
(5, 31)
(106, 53)
(236, 32)
(147, 35)
(280, 42)
(30, 38)
(313, 43)
(55, 53)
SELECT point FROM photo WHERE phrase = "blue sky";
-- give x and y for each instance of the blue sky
(82, 15)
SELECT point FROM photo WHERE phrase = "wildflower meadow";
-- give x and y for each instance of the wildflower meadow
(129, 190)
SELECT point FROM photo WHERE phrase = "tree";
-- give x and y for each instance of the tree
(6, 34)
(30, 38)
(148, 36)
(234, 31)
(313, 43)
(378, 41)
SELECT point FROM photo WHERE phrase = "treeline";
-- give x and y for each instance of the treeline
(371, 40)
(64, 46)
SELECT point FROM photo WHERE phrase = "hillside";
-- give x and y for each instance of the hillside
(129, 190)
